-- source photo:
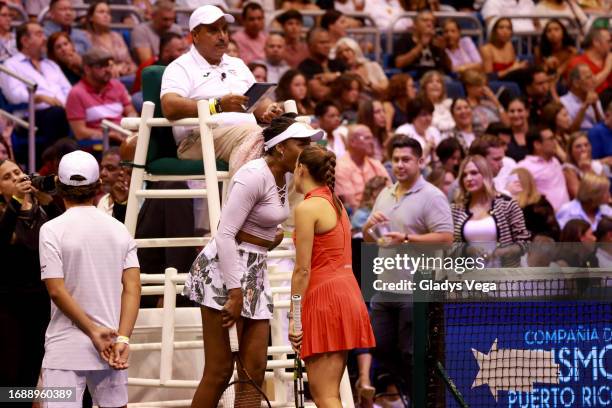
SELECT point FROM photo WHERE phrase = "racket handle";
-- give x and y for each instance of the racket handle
(233, 338)
(296, 302)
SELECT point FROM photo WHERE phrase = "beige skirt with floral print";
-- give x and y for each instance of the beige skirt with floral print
(205, 285)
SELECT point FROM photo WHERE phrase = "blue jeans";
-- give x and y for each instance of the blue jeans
(392, 325)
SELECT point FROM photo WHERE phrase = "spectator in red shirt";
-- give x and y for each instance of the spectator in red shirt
(96, 97)
(296, 49)
(598, 57)
(251, 40)
(358, 166)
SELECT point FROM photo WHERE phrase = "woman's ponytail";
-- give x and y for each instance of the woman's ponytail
(321, 165)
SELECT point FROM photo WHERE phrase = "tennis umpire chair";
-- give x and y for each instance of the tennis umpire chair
(155, 160)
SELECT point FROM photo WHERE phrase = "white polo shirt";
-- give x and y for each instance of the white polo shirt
(191, 76)
(89, 250)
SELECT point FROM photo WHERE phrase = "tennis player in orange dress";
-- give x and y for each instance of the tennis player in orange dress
(334, 316)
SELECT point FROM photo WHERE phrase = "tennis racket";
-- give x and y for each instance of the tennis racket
(298, 370)
(451, 386)
(243, 392)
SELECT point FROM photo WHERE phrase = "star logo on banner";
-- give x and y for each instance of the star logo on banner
(514, 369)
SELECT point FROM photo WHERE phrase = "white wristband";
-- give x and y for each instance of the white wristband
(123, 339)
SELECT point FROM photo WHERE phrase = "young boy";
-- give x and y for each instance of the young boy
(89, 265)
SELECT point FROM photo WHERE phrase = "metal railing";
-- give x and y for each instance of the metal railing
(107, 126)
(476, 31)
(183, 13)
(132, 10)
(31, 86)
(237, 13)
(15, 119)
(573, 28)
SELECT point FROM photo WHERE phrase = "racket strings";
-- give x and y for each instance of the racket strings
(241, 395)
(248, 398)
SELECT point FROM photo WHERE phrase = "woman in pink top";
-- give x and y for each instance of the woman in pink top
(229, 279)
(461, 50)
(98, 21)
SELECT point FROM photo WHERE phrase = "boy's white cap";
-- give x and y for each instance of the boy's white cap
(78, 163)
(207, 15)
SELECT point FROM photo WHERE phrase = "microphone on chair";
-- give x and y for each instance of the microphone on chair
(223, 76)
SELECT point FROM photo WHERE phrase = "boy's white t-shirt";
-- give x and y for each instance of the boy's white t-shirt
(89, 250)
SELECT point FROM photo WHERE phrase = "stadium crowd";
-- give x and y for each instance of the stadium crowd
(448, 139)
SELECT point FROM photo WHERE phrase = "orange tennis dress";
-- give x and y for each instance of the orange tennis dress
(334, 315)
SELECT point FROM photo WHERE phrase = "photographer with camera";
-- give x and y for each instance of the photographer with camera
(24, 304)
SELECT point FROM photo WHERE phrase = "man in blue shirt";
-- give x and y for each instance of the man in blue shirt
(600, 137)
(61, 18)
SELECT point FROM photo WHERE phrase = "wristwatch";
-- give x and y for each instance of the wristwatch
(218, 105)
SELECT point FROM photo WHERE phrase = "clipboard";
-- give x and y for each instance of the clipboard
(257, 92)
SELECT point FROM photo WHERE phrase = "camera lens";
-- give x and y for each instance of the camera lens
(44, 183)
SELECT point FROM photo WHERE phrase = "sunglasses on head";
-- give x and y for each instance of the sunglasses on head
(102, 64)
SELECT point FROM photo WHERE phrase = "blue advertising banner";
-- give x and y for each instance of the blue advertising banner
(530, 354)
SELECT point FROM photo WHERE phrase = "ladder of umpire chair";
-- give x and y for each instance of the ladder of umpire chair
(138, 193)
